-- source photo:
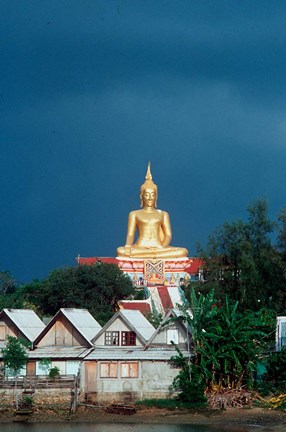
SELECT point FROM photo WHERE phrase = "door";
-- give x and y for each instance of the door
(90, 376)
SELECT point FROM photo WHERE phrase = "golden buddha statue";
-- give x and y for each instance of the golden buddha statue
(153, 225)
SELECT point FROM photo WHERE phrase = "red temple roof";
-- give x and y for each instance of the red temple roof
(143, 306)
(165, 297)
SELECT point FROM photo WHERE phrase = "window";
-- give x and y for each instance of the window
(112, 338)
(172, 336)
(61, 365)
(129, 370)
(128, 338)
(108, 370)
(72, 367)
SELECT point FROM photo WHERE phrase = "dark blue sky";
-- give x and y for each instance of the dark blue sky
(90, 91)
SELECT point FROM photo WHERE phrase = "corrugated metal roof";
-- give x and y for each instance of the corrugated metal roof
(59, 352)
(132, 354)
(83, 321)
(139, 322)
(27, 321)
(136, 322)
(173, 313)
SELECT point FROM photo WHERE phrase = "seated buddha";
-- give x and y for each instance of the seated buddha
(153, 226)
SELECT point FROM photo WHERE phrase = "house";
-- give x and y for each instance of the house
(21, 323)
(126, 360)
(125, 328)
(280, 333)
(65, 341)
(172, 331)
(122, 366)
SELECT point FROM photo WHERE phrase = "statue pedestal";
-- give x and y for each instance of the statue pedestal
(161, 280)
(156, 272)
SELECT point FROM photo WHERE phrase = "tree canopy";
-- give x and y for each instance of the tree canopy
(97, 288)
(227, 343)
(7, 283)
(241, 261)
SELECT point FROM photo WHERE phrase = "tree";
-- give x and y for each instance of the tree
(232, 344)
(241, 262)
(7, 283)
(9, 292)
(226, 343)
(97, 288)
(14, 359)
(282, 234)
(275, 375)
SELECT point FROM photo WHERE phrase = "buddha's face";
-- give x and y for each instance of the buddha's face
(149, 197)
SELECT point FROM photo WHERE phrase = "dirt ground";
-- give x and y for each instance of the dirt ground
(243, 419)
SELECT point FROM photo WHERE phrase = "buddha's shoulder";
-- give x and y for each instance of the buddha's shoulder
(135, 212)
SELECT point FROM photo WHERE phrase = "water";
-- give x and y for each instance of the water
(81, 427)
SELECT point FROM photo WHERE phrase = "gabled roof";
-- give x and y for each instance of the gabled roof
(26, 321)
(81, 319)
(173, 313)
(134, 320)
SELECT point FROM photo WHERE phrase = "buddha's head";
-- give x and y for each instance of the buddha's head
(148, 191)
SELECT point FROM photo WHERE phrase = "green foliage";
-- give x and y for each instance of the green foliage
(231, 346)
(226, 345)
(14, 358)
(46, 365)
(188, 383)
(27, 401)
(275, 377)
(139, 294)
(155, 318)
(9, 294)
(54, 372)
(14, 355)
(241, 262)
(96, 287)
(7, 283)
(171, 404)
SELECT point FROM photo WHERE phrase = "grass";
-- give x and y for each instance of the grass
(170, 404)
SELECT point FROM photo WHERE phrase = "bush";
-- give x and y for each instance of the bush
(27, 401)
(274, 380)
(54, 372)
(170, 404)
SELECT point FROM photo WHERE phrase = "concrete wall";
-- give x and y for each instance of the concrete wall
(154, 379)
(41, 397)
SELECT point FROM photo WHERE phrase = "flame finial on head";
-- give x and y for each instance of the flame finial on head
(148, 173)
(148, 184)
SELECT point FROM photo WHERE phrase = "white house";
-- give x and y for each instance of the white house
(280, 332)
(122, 367)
